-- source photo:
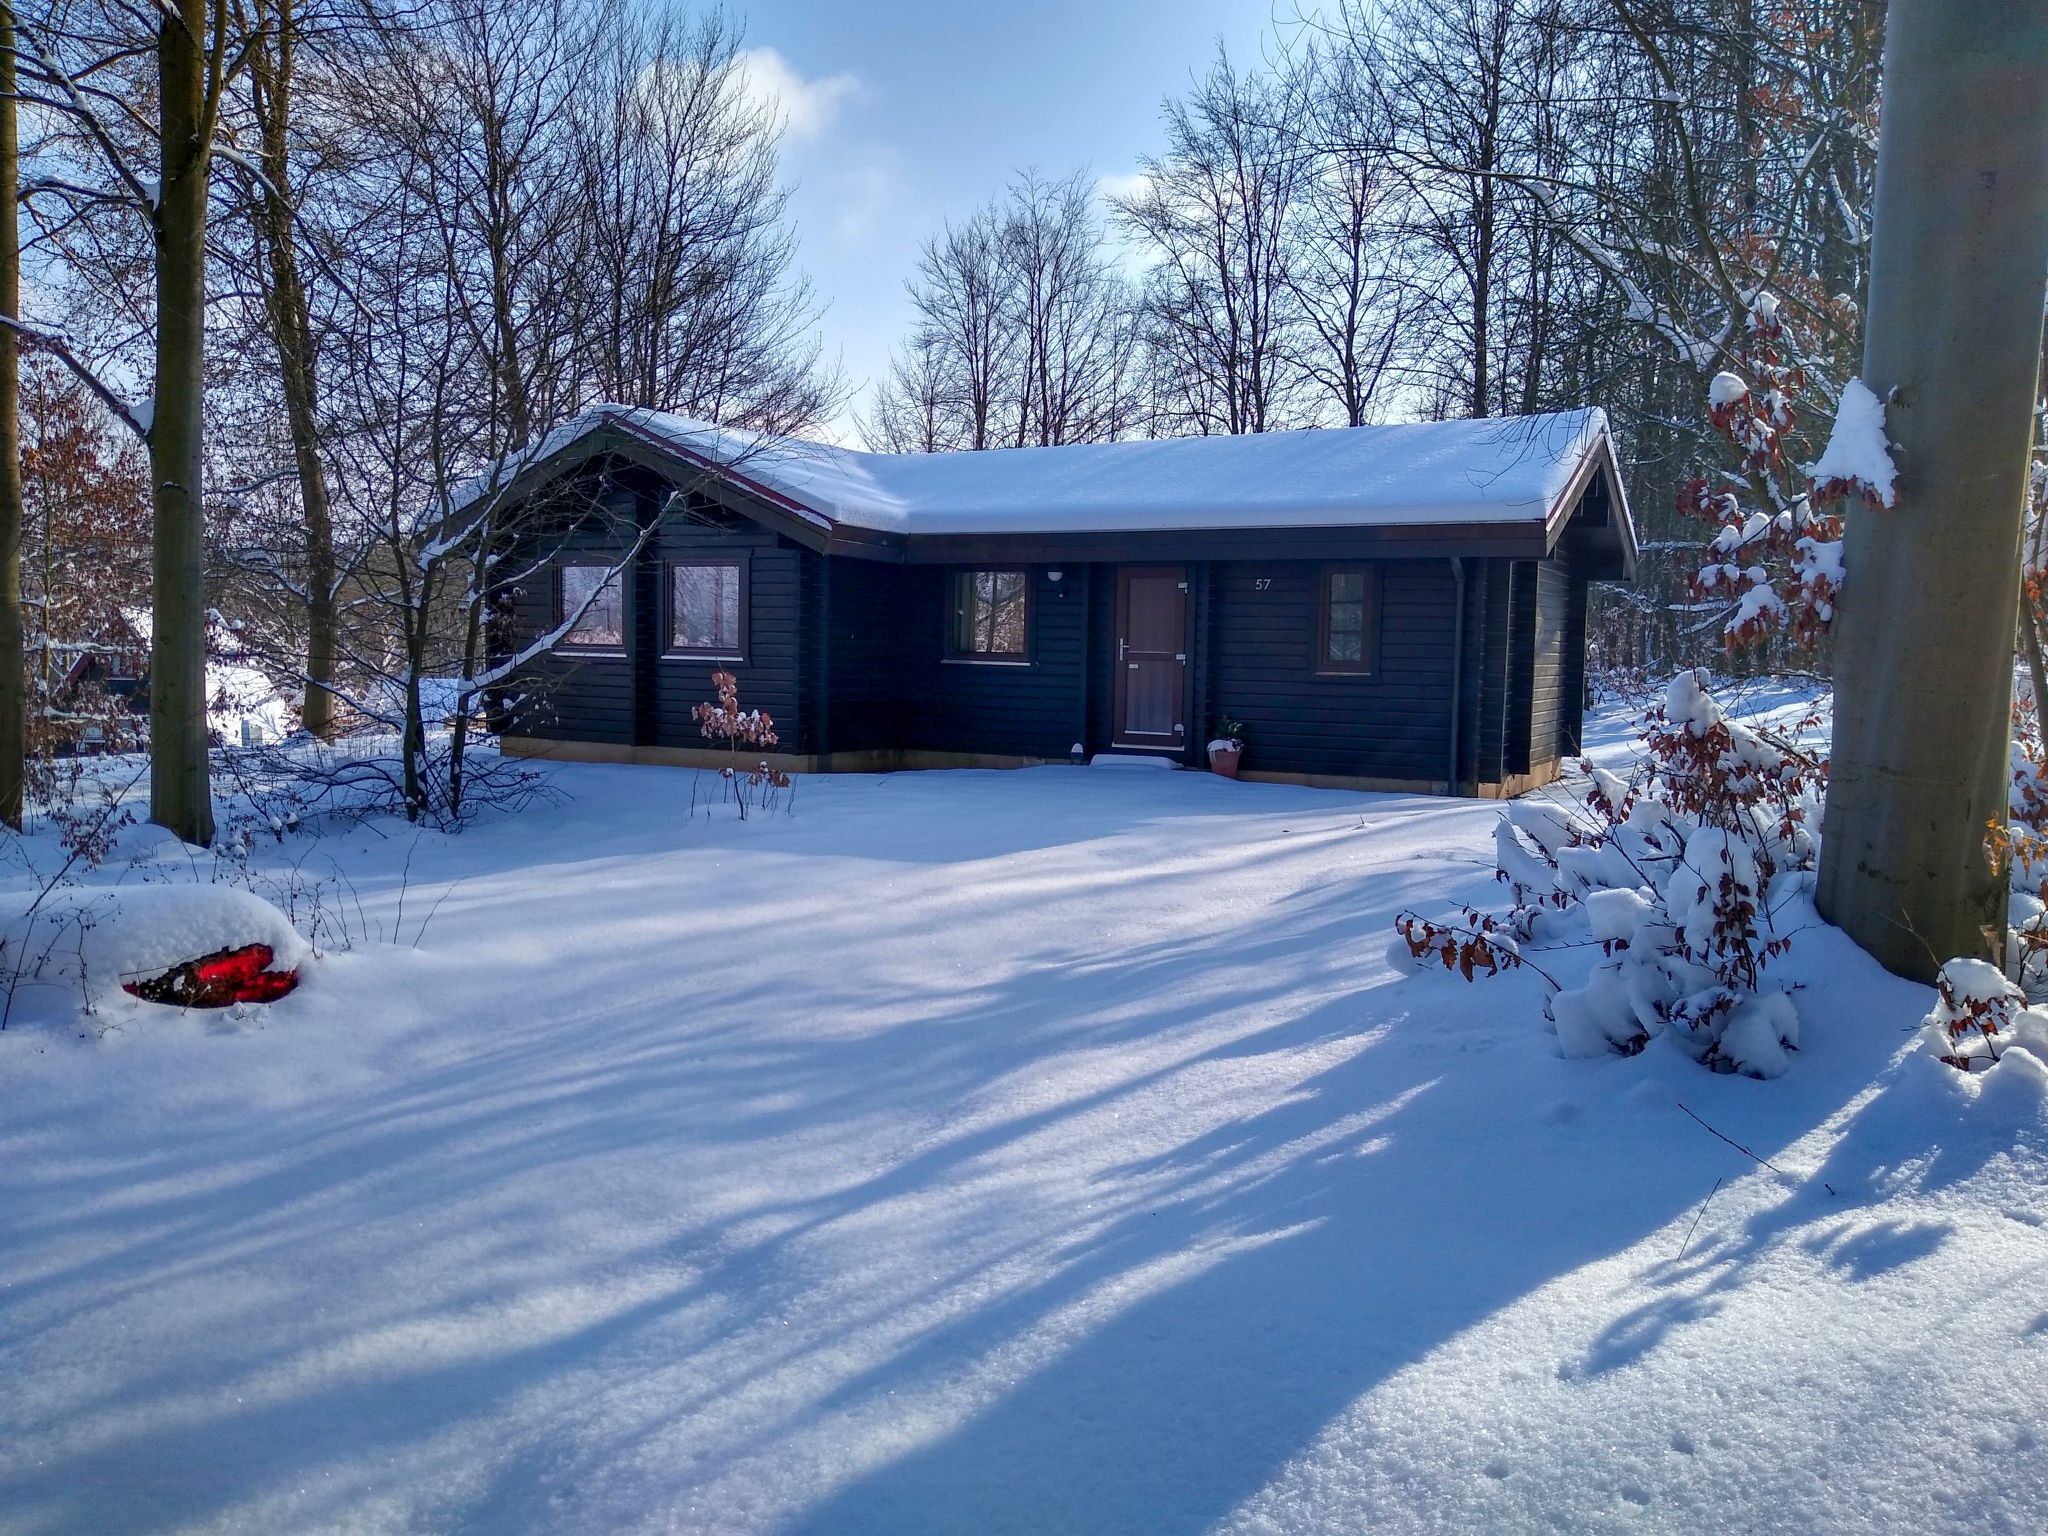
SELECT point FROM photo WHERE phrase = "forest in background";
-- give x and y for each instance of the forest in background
(435, 230)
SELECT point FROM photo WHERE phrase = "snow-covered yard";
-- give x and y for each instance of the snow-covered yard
(1039, 1152)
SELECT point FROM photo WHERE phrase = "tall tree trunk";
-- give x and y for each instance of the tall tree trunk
(1925, 628)
(291, 328)
(179, 796)
(13, 680)
(2037, 664)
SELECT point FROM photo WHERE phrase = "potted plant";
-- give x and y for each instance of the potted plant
(1227, 747)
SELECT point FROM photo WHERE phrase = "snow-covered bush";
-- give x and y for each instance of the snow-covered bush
(2019, 847)
(1673, 877)
(1979, 1015)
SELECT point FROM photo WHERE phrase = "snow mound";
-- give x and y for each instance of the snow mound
(97, 937)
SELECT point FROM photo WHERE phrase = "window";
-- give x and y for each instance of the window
(707, 609)
(990, 616)
(1349, 639)
(603, 625)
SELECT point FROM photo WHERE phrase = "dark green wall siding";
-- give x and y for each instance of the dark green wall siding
(1393, 723)
(847, 655)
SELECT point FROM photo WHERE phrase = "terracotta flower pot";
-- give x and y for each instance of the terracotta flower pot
(1224, 760)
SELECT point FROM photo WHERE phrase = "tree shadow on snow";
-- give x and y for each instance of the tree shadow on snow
(1919, 1130)
(1279, 1265)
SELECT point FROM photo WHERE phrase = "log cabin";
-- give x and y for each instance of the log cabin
(1382, 607)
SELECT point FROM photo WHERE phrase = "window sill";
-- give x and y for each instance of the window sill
(980, 661)
(591, 652)
(738, 661)
(1356, 677)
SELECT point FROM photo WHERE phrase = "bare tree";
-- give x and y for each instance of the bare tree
(685, 289)
(965, 324)
(1068, 309)
(1450, 83)
(277, 31)
(1215, 216)
(915, 409)
(1345, 273)
(87, 70)
(13, 696)
(1024, 329)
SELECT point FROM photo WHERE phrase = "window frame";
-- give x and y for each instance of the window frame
(670, 651)
(566, 563)
(1368, 664)
(951, 654)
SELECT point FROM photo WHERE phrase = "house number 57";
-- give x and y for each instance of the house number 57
(1261, 583)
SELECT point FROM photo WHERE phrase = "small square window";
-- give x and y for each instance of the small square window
(707, 609)
(1349, 630)
(990, 618)
(603, 625)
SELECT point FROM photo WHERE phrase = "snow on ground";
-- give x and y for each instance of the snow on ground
(1775, 704)
(1040, 1152)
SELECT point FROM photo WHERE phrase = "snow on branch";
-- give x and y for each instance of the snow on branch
(136, 416)
(468, 688)
(145, 193)
(1776, 570)
(1698, 350)
(235, 157)
(1857, 458)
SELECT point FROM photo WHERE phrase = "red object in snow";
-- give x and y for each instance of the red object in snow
(218, 980)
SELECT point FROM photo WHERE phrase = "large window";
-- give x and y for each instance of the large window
(707, 609)
(1348, 638)
(603, 625)
(991, 618)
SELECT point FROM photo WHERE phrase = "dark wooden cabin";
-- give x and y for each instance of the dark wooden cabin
(1397, 607)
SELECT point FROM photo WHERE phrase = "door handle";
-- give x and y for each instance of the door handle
(1181, 657)
(1121, 647)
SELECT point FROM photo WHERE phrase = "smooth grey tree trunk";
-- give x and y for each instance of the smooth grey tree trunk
(1924, 633)
(179, 795)
(13, 677)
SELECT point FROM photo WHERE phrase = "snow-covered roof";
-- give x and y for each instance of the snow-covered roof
(1496, 470)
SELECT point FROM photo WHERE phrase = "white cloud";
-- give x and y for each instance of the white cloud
(804, 107)
(868, 194)
(1109, 188)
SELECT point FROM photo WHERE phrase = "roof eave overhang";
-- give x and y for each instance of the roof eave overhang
(1322, 541)
(614, 432)
(1597, 460)
(617, 434)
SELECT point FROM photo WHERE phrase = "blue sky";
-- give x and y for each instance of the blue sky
(904, 113)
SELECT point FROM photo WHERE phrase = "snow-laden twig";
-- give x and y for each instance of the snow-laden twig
(43, 338)
(76, 105)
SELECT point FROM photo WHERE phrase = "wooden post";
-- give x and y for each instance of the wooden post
(1924, 633)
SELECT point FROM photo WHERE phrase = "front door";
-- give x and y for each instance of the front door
(1151, 658)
